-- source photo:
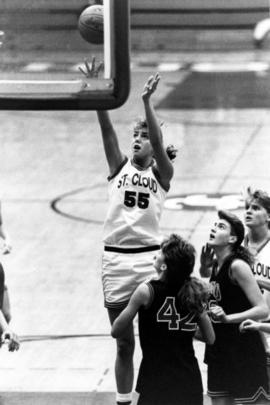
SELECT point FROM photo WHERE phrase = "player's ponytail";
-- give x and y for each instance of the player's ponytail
(240, 252)
(194, 295)
(171, 152)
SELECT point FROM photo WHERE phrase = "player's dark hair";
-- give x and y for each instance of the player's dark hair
(179, 256)
(238, 230)
(240, 252)
(171, 151)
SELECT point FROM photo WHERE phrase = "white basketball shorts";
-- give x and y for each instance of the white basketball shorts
(123, 270)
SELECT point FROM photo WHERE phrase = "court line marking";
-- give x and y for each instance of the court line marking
(200, 67)
(37, 67)
(228, 175)
(220, 67)
(54, 205)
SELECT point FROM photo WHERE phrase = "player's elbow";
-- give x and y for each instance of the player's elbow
(264, 311)
(7, 316)
(115, 332)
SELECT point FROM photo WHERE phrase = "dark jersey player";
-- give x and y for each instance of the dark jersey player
(170, 308)
(236, 362)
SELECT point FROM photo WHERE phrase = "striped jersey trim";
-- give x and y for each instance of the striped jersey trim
(218, 393)
(131, 250)
(116, 305)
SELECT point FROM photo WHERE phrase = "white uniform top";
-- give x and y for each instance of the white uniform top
(136, 199)
(261, 267)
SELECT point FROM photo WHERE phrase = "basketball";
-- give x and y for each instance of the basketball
(91, 24)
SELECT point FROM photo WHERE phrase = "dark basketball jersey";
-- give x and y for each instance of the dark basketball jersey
(169, 369)
(228, 295)
(242, 353)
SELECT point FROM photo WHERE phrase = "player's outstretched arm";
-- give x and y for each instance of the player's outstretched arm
(6, 245)
(250, 325)
(163, 162)
(265, 284)
(113, 153)
(242, 275)
(140, 297)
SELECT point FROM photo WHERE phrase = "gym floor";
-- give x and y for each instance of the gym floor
(55, 159)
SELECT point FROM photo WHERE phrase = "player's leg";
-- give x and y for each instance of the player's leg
(124, 371)
(222, 401)
(6, 308)
(4, 297)
(121, 274)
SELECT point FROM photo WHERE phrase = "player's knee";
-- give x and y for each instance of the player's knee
(7, 316)
(125, 347)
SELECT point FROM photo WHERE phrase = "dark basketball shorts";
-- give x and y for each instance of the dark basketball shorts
(244, 384)
(191, 400)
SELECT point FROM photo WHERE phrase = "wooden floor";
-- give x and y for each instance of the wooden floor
(53, 273)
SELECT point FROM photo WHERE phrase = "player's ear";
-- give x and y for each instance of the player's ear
(163, 267)
(268, 219)
(232, 239)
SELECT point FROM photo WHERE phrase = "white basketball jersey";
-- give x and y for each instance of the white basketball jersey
(136, 201)
(261, 267)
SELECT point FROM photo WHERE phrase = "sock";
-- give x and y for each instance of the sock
(124, 403)
(124, 399)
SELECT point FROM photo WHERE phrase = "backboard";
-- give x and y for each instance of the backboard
(41, 50)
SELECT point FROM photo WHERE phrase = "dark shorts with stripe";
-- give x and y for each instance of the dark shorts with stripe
(239, 373)
(149, 400)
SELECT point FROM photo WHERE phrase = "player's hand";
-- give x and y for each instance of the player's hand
(218, 314)
(6, 248)
(91, 69)
(150, 86)
(207, 259)
(11, 339)
(249, 325)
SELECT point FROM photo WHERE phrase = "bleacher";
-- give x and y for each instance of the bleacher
(189, 24)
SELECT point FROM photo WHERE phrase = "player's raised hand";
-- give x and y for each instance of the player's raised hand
(6, 249)
(150, 86)
(11, 339)
(91, 69)
(206, 260)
